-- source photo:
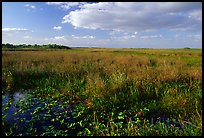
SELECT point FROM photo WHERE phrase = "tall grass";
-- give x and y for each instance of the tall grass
(124, 88)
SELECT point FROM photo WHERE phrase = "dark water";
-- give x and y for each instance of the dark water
(17, 96)
(12, 118)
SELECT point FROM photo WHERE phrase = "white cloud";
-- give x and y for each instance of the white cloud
(89, 36)
(173, 16)
(13, 30)
(57, 40)
(86, 36)
(60, 37)
(66, 5)
(30, 6)
(74, 40)
(123, 35)
(57, 27)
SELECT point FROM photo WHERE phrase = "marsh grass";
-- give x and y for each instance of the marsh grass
(115, 92)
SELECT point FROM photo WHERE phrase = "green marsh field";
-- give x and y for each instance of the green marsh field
(102, 92)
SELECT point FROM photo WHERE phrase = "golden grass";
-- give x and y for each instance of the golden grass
(133, 65)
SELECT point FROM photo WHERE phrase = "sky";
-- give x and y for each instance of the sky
(104, 24)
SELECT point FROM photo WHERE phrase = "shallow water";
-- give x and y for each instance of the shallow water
(13, 116)
(13, 98)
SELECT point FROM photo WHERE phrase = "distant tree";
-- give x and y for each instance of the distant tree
(187, 48)
(55, 46)
(7, 45)
(24, 45)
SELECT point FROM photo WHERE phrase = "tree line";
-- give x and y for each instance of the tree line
(7, 45)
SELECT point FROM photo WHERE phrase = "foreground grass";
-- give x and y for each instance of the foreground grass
(115, 92)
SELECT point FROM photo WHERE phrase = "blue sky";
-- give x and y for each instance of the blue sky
(104, 24)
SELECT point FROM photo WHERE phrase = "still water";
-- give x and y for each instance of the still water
(22, 105)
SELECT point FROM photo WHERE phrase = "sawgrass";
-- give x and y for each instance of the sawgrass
(115, 91)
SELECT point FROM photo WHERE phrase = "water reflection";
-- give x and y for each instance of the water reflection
(13, 98)
(41, 120)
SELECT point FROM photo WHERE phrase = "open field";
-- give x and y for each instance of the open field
(103, 92)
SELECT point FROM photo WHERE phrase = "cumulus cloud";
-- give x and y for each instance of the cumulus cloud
(173, 16)
(57, 27)
(14, 30)
(66, 5)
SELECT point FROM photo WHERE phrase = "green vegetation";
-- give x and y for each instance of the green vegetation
(104, 92)
(11, 47)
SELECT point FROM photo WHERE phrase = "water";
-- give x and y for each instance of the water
(13, 117)
(14, 99)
